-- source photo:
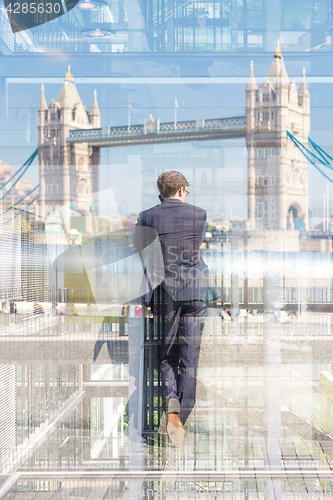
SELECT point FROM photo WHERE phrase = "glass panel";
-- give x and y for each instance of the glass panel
(166, 249)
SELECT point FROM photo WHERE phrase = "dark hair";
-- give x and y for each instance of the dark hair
(169, 183)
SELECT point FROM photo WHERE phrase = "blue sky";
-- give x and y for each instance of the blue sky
(211, 89)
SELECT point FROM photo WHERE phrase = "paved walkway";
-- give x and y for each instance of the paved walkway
(261, 427)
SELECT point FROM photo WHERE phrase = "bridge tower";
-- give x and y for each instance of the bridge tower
(277, 171)
(68, 174)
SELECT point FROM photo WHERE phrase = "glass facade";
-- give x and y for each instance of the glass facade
(94, 106)
(178, 26)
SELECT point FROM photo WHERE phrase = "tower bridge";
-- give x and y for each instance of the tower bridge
(154, 132)
(70, 138)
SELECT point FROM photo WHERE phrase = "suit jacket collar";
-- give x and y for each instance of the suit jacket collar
(172, 200)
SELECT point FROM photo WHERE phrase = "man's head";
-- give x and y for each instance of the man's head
(172, 185)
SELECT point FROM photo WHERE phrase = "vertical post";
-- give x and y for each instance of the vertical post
(328, 207)
(171, 33)
(324, 212)
(245, 24)
(282, 190)
(272, 376)
(304, 266)
(246, 281)
(137, 38)
(86, 404)
(94, 161)
(141, 367)
(42, 183)
(299, 296)
(135, 368)
(251, 189)
(1, 208)
(66, 175)
(12, 206)
(271, 23)
(234, 24)
(162, 26)
(3, 98)
(222, 267)
(246, 425)
(234, 279)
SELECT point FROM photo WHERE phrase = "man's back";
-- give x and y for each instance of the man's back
(181, 230)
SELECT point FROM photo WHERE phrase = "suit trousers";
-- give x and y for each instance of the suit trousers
(178, 352)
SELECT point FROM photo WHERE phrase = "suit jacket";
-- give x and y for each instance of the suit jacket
(181, 230)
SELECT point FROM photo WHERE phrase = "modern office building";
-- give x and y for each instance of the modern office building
(210, 27)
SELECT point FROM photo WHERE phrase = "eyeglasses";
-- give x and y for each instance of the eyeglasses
(185, 190)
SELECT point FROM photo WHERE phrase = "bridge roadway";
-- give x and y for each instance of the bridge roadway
(154, 132)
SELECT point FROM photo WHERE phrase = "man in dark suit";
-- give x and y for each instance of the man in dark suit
(185, 290)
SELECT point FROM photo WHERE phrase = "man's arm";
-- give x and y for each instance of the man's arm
(144, 235)
(204, 219)
(203, 235)
(138, 233)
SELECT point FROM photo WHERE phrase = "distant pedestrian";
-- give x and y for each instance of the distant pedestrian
(6, 307)
(38, 309)
(225, 315)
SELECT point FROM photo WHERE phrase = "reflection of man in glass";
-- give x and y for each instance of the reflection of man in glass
(182, 297)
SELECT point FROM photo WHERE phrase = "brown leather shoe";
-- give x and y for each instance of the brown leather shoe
(175, 430)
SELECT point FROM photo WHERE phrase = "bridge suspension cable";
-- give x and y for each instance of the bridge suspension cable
(25, 196)
(321, 152)
(22, 210)
(22, 169)
(310, 156)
